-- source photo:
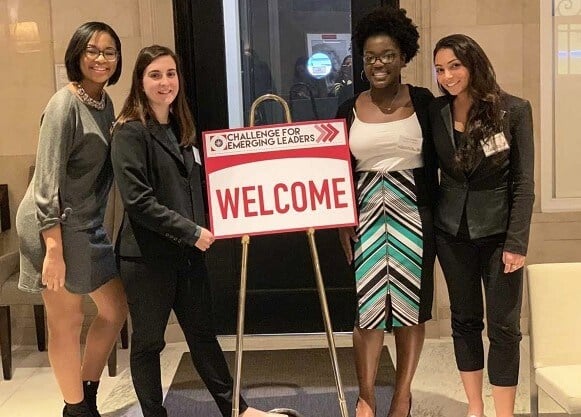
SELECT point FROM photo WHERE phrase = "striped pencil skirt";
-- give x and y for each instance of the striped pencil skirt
(394, 254)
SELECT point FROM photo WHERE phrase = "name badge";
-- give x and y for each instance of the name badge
(495, 144)
(408, 144)
(197, 155)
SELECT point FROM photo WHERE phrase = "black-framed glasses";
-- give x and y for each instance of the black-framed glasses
(387, 58)
(110, 54)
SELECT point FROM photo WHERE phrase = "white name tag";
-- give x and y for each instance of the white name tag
(197, 155)
(495, 144)
(407, 144)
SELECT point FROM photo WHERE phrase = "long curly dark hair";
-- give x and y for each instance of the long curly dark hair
(393, 23)
(485, 115)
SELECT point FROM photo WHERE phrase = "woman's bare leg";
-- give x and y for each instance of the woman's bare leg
(367, 344)
(64, 312)
(504, 398)
(472, 382)
(111, 314)
(409, 341)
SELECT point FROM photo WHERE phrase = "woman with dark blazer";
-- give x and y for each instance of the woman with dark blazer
(163, 237)
(393, 246)
(483, 138)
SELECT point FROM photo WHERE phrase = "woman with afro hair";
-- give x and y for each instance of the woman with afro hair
(392, 249)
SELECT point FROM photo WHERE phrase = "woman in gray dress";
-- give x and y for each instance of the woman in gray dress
(64, 249)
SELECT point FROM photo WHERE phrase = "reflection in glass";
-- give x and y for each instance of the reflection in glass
(569, 49)
(299, 50)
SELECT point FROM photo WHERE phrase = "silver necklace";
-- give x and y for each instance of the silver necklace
(388, 108)
(85, 98)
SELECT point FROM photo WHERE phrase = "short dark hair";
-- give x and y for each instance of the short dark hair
(392, 22)
(78, 45)
(136, 106)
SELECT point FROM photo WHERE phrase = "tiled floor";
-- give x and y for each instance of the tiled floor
(437, 392)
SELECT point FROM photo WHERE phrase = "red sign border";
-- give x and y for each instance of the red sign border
(205, 136)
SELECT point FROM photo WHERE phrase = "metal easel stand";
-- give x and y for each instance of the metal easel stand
(322, 298)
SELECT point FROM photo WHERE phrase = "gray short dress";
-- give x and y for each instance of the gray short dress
(70, 187)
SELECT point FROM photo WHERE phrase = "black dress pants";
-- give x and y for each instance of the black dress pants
(469, 265)
(152, 292)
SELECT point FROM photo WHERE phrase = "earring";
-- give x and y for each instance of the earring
(363, 78)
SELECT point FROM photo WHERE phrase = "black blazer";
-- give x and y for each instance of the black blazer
(498, 194)
(158, 185)
(426, 179)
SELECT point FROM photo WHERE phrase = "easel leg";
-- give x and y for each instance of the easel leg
(327, 321)
(240, 328)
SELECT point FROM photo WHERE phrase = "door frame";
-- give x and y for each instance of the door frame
(202, 48)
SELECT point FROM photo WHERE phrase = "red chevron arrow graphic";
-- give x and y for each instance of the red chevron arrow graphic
(327, 132)
(323, 133)
(332, 131)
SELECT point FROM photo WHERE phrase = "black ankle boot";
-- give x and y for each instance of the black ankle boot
(90, 390)
(77, 410)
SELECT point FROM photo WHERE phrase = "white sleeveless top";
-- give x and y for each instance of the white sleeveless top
(388, 146)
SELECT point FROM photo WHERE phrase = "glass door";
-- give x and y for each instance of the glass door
(301, 51)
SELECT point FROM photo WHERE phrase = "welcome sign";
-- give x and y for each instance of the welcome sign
(279, 178)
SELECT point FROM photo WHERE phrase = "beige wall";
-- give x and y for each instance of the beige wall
(507, 29)
(29, 77)
(29, 82)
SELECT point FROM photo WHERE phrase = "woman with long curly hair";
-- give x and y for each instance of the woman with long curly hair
(483, 138)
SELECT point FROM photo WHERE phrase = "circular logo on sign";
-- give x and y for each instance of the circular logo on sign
(217, 142)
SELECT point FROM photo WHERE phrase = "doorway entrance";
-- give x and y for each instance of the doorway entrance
(301, 51)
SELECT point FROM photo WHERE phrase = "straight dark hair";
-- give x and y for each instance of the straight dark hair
(485, 115)
(137, 106)
(78, 45)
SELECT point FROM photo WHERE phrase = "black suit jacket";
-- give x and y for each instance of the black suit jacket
(158, 186)
(498, 193)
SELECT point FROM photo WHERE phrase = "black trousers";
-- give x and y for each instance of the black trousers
(469, 265)
(152, 293)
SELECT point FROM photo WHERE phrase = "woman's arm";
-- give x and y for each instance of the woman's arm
(522, 161)
(56, 135)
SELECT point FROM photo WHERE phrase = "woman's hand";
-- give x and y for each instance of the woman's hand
(512, 261)
(346, 235)
(53, 265)
(205, 240)
(53, 271)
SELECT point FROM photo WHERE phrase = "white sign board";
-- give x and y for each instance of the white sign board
(279, 178)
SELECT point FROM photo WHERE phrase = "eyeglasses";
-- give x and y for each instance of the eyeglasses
(110, 54)
(388, 58)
